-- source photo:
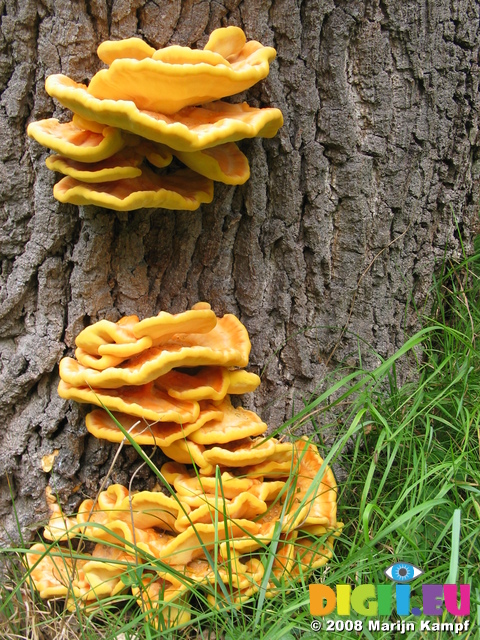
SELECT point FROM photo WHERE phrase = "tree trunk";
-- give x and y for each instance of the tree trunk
(349, 209)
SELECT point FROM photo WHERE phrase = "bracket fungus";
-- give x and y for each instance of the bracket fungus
(226, 487)
(116, 167)
(76, 143)
(183, 189)
(227, 345)
(104, 426)
(171, 98)
(176, 77)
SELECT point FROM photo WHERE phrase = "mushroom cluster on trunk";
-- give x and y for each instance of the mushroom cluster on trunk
(229, 491)
(148, 107)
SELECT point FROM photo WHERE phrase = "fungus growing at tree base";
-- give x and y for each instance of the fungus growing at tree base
(228, 492)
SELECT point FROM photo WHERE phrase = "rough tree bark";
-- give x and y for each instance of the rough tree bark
(348, 209)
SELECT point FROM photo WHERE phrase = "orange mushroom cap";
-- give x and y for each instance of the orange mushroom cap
(284, 558)
(227, 41)
(157, 154)
(207, 383)
(243, 506)
(145, 509)
(104, 333)
(59, 527)
(296, 558)
(311, 554)
(134, 48)
(281, 463)
(227, 344)
(105, 344)
(124, 164)
(177, 55)
(53, 576)
(315, 496)
(267, 491)
(199, 319)
(190, 129)
(267, 527)
(98, 525)
(192, 542)
(241, 575)
(239, 453)
(187, 483)
(270, 469)
(181, 190)
(236, 423)
(223, 163)
(178, 77)
(105, 578)
(163, 434)
(242, 382)
(153, 596)
(228, 339)
(322, 503)
(202, 383)
(78, 144)
(100, 363)
(237, 598)
(87, 125)
(144, 401)
(187, 452)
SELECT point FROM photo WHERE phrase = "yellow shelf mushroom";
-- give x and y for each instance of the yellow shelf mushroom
(175, 77)
(236, 423)
(159, 104)
(207, 383)
(124, 164)
(223, 163)
(101, 425)
(182, 190)
(134, 48)
(225, 487)
(190, 129)
(227, 344)
(75, 143)
(144, 401)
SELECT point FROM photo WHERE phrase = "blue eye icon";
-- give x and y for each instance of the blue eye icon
(402, 572)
